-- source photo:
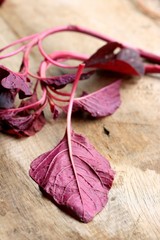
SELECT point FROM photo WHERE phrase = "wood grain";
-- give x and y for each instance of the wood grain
(133, 210)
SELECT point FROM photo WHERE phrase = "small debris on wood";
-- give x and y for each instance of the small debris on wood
(106, 131)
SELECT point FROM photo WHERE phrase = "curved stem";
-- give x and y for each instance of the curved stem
(56, 98)
(60, 55)
(13, 53)
(42, 71)
(64, 94)
(27, 52)
(64, 55)
(24, 39)
(149, 56)
(62, 29)
(54, 62)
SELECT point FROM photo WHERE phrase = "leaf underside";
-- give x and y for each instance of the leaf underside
(11, 80)
(83, 191)
(100, 103)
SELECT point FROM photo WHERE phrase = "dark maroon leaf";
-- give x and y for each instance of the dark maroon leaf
(100, 103)
(38, 121)
(114, 57)
(62, 80)
(20, 126)
(103, 54)
(84, 187)
(7, 96)
(11, 80)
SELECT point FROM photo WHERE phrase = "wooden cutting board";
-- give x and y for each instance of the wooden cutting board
(132, 147)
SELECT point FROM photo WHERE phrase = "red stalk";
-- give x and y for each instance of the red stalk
(69, 130)
(152, 68)
(70, 106)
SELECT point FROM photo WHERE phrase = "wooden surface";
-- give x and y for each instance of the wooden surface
(133, 209)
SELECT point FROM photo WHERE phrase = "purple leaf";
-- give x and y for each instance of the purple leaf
(11, 80)
(82, 188)
(23, 123)
(113, 57)
(62, 80)
(100, 103)
(20, 126)
(6, 98)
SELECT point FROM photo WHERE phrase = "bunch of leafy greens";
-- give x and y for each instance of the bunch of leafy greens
(74, 174)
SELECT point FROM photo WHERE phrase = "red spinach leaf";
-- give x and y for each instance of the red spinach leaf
(23, 123)
(61, 81)
(20, 126)
(114, 57)
(84, 187)
(101, 103)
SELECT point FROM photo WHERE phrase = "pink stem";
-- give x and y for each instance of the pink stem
(18, 41)
(69, 130)
(65, 94)
(55, 98)
(61, 55)
(42, 71)
(70, 106)
(13, 53)
(36, 76)
(68, 55)
(27, 52)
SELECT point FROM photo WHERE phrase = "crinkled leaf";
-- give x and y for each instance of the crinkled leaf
(38, 121)
(11, 80)
(113, 57)
(101, 103)
(20, 126)
(61, 81)
(84, 187)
